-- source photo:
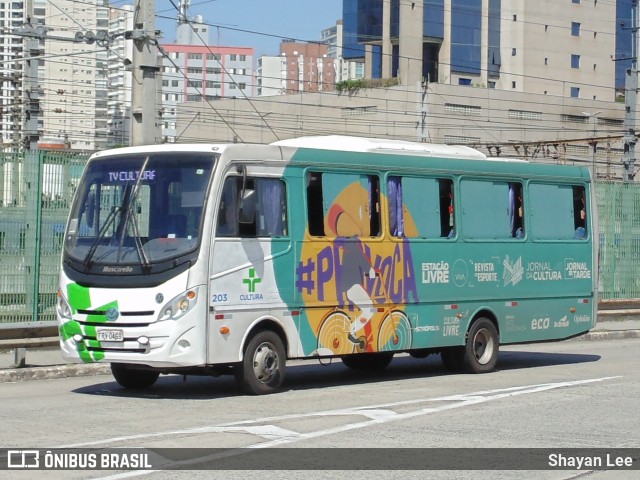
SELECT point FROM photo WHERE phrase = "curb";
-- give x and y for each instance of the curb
(59, 371)
(608, 335)
(8, 375)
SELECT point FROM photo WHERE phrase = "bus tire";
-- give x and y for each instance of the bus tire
(262, 369)
(452, 358)
(130, 377)
(368, 361)
(481, 349)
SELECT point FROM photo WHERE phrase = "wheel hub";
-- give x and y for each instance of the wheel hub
(482, 346)
(265, 362)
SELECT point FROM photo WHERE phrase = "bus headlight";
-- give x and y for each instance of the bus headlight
(179, 306)
(62, 306)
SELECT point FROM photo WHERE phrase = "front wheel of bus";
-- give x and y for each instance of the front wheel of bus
(130, 377)
(262, 368)
(481, 349)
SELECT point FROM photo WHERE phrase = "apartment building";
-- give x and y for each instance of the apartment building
(75, 75)
(61, 86)
(271, 76)
(300, 68)
(202, 73)
(119, 76)
(12, 17)
(344, 69)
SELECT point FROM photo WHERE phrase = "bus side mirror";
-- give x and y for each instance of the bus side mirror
(248, 206)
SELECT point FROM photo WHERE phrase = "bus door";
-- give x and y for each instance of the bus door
(251, 237)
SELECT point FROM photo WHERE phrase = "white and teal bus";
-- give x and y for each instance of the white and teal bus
(213, 259)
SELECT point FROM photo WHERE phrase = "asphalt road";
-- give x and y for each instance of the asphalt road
(556, 395)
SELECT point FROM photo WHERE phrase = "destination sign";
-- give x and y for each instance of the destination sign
(131, 176)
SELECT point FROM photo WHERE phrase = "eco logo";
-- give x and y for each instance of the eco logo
(252, 281)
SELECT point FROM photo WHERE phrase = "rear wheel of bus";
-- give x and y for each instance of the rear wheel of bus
(262, 368)
(480, 352)
(129, 377)
(481, 349)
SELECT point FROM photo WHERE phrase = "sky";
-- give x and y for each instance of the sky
(274, 19)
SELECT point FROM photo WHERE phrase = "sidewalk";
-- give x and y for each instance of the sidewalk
(45, 363)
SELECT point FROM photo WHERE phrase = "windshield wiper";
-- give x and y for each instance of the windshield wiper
(131, 218)
(103, 231)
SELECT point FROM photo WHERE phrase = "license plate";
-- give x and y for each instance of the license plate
(109, 335)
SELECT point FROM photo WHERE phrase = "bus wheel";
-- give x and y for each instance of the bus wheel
(262, 369)
(481, 350)
(368, 361)
(130, 377)
(452, 358)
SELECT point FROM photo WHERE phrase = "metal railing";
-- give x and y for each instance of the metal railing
(35, 193)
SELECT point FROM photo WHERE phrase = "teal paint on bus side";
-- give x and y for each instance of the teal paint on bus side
(430, 289)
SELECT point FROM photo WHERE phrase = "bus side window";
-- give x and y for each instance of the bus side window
(264, 211)
(484, 209)
(343, 204)
(579, 212)
(272, 207)
(315, 215)
(516, 210)
(374, 206)
(417, 208)
(447, 214)
(228, 211)
(396, 213)
(558, 211)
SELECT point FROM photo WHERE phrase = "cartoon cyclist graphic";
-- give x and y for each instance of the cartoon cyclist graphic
(355, 268)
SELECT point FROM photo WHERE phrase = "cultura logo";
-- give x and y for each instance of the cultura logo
(252, 281)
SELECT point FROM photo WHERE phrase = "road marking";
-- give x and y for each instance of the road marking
(374, 414)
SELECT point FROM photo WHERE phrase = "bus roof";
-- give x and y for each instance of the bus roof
(400, 147)
(326, 142)
(164, 147)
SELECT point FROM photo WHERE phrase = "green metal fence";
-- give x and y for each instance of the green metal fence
(619, 226)
(35, 194)
(31, 233)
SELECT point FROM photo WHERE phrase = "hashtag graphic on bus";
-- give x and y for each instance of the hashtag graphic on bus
(304, 280)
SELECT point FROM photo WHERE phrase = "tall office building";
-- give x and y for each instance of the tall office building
(548, 47)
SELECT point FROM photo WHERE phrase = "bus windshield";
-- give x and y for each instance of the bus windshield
(138, 209)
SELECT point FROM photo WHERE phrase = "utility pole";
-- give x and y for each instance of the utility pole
(630, 98)
(144, 127)
(16, 109)
(423, 128)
